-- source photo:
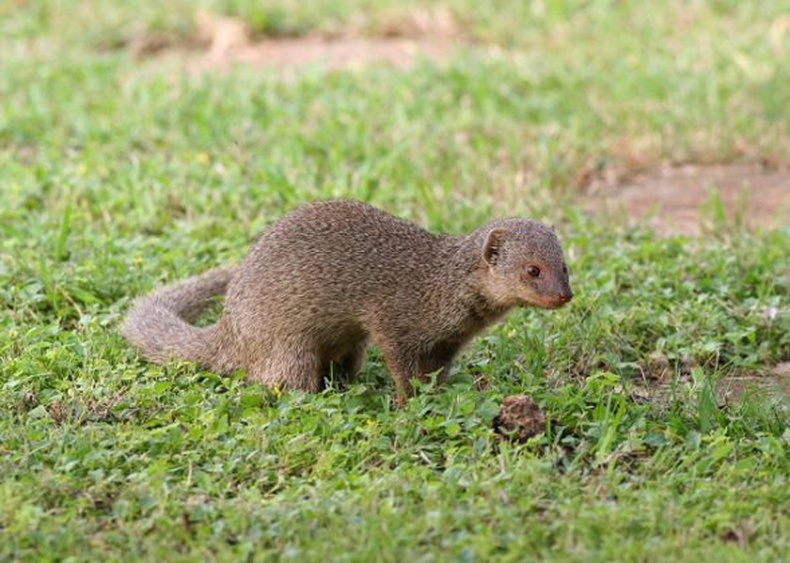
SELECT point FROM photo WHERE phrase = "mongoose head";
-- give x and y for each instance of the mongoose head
(524, 265)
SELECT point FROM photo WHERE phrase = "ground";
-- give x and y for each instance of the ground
(142, 144)
(696, 199)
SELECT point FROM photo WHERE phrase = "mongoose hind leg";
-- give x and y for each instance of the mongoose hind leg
(351, 362)
(345, 366)
(295, 367)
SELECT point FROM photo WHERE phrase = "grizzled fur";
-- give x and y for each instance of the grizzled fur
(330, 277)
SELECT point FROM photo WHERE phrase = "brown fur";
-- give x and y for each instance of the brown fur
(330, 277)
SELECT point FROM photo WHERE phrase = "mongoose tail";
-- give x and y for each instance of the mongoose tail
(159, 324)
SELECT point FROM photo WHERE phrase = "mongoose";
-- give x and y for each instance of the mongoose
(332, 276)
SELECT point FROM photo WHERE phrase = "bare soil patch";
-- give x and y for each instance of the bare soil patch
(774, 385)
(222, 42)
(332, 54)
(695, 199)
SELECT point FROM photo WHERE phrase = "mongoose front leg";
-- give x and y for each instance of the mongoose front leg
(439, 358)
(430, 365)
(402, 366)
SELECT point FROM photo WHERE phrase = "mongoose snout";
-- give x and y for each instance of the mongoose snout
(560, 293)
(331, 277)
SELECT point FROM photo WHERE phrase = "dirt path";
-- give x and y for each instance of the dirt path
(333, 54)
(222, 42)
(690, 200)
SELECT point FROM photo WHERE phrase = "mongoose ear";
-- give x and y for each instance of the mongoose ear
(493, 245)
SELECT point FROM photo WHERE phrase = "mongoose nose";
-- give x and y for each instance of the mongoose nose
(565, 296)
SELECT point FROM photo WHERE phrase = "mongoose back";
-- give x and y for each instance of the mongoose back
(332, 276)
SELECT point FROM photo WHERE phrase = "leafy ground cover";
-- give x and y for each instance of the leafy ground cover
(118, 174)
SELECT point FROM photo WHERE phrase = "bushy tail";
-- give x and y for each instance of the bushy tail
(159, 324)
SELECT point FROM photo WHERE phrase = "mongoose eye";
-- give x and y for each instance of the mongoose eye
(565, 269)
(533, 271)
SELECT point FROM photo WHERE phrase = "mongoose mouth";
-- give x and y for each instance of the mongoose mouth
(552, 302)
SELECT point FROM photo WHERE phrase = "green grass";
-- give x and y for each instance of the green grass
(119, 174)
